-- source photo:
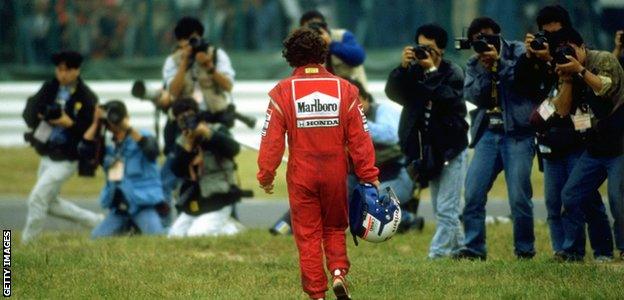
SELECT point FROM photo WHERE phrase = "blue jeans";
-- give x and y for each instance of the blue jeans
(494, 153)
(146, 219)
(445, 199)
(588, 174)
(556, 173)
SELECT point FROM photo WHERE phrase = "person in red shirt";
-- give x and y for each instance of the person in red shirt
(324, 123)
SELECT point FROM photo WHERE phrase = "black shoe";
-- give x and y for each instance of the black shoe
(417, 223)
(562, 256)
(525, 255)
(469, 255)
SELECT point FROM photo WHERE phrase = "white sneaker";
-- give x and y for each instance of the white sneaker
(340, 286)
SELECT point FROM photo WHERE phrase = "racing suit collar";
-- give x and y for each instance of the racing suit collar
(311, 69)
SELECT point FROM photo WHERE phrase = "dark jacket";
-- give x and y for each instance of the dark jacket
(216, 186)
(411, 88)
(517, 107)
(79, 108)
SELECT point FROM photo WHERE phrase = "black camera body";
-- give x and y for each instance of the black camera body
(483, 41)
(112, 114)
(559, 56)
(540, 38)
(52, 111)
(421, 51)
(198, 45)
(462, 43)
(188, 122)
(479, 45)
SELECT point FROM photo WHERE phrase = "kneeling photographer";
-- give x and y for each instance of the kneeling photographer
(598, 77)
(133, 191)
(204, 158)
(196, 69)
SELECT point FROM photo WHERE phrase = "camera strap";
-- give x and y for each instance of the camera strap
(495, 82)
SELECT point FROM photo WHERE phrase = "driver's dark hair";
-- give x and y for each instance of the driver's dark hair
(481, 23)
(304, 46)
(183, 105)
(186, 27)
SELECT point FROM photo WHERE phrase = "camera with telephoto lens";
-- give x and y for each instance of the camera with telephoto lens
(140, 91)
(421, 51)
(52, 111)
(483, 41)
(197, 45)
(560, 54)
(188, 121)
(540, 38)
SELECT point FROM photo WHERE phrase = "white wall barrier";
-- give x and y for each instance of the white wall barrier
(250, 98)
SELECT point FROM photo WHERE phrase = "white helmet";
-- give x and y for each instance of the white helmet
(373, 218)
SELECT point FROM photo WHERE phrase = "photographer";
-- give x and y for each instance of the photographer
(196, 69)
(432, 129)
(199, 65)
(204, 158)
(346, 56)
(535, 69)
(598, 78)
(58, 114)
(133, 189)
(559, 145)
(502, 138)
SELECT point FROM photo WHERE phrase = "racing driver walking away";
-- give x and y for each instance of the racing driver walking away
(322, 117)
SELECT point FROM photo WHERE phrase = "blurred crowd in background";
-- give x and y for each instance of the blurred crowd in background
(31, 30)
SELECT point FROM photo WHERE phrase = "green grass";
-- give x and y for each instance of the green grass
(23, 164)
(255, 265)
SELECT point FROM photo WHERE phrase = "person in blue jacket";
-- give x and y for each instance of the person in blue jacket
(133, 188)
(502, 138)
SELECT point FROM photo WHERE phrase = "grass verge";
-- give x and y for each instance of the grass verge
(255, 265)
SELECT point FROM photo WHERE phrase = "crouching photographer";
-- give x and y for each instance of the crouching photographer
(204, 158)
(133, 191)
(599, 78)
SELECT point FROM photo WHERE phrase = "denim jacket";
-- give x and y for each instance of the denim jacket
(477, 89)
(140, 185)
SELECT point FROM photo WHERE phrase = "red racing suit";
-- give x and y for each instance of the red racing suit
(323, 120)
